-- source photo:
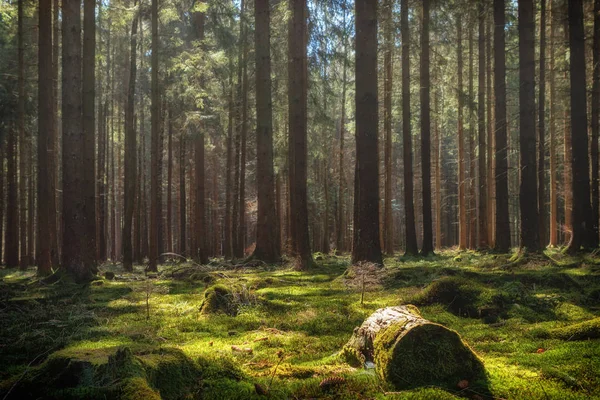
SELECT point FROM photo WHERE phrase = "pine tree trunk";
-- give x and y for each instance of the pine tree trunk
(472, 207)
(267, 247)
(89, 131)
(388, 228)
(170, 181)
(491, 179)
(582, 224)
(552, 128)
(241, 249)
(541, 177)
(502, 237)
(427, 246)
(340, 231)
(12, 206)
(528, 195)
(409, 205)
(75, 245)
(23, 142)
(595, 126)
(482, 211)
(53, 134)
(228, 248)
(154, 191)
(297, 103)
(130, 153)
(462, 206)
(45, 125)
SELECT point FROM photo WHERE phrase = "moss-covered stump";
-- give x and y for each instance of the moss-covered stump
(409, 351)
(218, 298)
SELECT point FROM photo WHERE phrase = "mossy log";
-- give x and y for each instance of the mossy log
(409, 351)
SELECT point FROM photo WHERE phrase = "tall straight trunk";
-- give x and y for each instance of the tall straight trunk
(528, 195)
(137, 211)
(53, 134)
(238, 134)
(89, 133)
(241, 249)
(542, 129)
(170, 181)
(437, 154)
(366, 246)
(409, 205)
(102, 175)
(130, 153)
(472, 213)
(227, 243)
(500, 137)
(582, 224)
(12, 206)
(182, 196)
(462, 206)
(155, 109)
(2, 195)
(75, 245)
(491, 180)
(388, 231)
(23, 142)
(340, 231)
(45, 125)
(482, 211)
(427, 246)
(595, 126)
(267, 246)
(201, 232)
(553, 151)
(297, 108)
(143, 168)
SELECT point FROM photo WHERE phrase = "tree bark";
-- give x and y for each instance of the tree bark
(552, 128)
(267, 246)
(582, 224)
(388, 228)
(500, 137)
(45, 125)
(170, 181)
(427, 246)
(366, 247)
(11, 256)
(24, 141)
(89, 131)
(297, 104)
(595, 126)
(130, 153)
(482, 211)
(542, 130)
(462, 206)
(74, 242)
(154, 207)
(409, 205)
(528, 195)
(182, 196)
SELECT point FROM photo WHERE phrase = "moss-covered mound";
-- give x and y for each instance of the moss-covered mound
(218, 298)
(459, 295)
(428, 354)
(581, 331)
(152, 374)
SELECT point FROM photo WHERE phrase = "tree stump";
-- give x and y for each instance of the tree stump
(410, 351)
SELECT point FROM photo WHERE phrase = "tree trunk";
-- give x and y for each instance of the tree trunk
(366, 246)
(228, 251)
(409, 205)
(45, 125)
(595, 126)
(340, 231)
(427, 246)
(528, 195)
(500, 137)
(170, 181)
(53, 135)
(154, 207)
(388, 228)
(542, 129)
(410, 351)
(23, 142)
(582, 224)
(482, 211)
(89, 131)
(130, 153)
(471, 202)
(241, 249)
(491, 180)
(297, 104)
(462, 206)
(11, 256)
(553, 152)
(267, 247)
(75, 245)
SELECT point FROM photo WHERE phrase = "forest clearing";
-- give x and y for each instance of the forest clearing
(284, 329)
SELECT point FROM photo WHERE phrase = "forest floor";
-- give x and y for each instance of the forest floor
(534, 322)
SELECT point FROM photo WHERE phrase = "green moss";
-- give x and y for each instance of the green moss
(425, 355)
(138, 389)
(459, 295)
(218, 298)
(581, 331)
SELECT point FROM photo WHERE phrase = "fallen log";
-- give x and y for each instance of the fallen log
(409, 351)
